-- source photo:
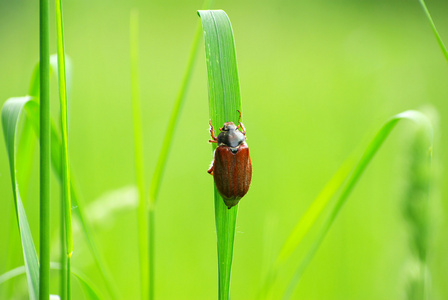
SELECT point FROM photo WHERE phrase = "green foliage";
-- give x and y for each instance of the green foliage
(307, 107)
(19, 145)
(11, 112)
(224, 101)
(88, 286)
(423, 124)
(139, 163)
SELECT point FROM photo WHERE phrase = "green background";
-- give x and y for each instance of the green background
(318, 78)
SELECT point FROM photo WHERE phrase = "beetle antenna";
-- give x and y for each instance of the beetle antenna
(240, 125)
(212, 133)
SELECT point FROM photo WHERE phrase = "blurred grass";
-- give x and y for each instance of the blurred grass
(142, 211)
(321, 65)
(89, 288)
(422, 122)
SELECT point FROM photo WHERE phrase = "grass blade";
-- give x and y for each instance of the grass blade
(22, 147)
(421, 121)
(434, 29)
(44, 213)
(224, 101)
(13, 109)
(11, 112)
(66, 212)
(138, 154)
(304, 225)
(64, 126)
(180, 99)
(166, 146)
(56, 162)
(33, 112)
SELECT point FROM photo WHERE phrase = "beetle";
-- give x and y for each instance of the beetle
(231, 167)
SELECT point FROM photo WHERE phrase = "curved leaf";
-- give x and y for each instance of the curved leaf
(11, 112)
(416, 117)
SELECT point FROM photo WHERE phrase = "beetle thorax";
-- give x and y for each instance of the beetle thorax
(230, 136)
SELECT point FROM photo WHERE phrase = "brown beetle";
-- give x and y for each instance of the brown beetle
(231, 167)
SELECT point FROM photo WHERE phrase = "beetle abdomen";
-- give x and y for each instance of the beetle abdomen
(232, 173)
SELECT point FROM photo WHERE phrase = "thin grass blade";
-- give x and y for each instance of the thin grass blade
(45, 141)
(66, 235)
(64, 127)
(178, 104)
(25, 138)
(416, 117)
(15, 108)
(224, 101)
(304, 225)
(56, 162)
(434, 29)
(166, 146)
(142, 210)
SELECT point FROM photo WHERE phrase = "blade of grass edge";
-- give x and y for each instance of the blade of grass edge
(434, 29)
(420, 120)
(224, 101)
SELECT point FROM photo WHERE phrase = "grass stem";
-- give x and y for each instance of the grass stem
(44, 218)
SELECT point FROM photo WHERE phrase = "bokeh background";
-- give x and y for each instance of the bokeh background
(318, 78)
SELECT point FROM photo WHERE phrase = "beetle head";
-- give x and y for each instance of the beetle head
(231, 137)
(228, 126)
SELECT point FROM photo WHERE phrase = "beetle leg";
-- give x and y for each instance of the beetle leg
(210, 170)
(243, 129)
(212, 133)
